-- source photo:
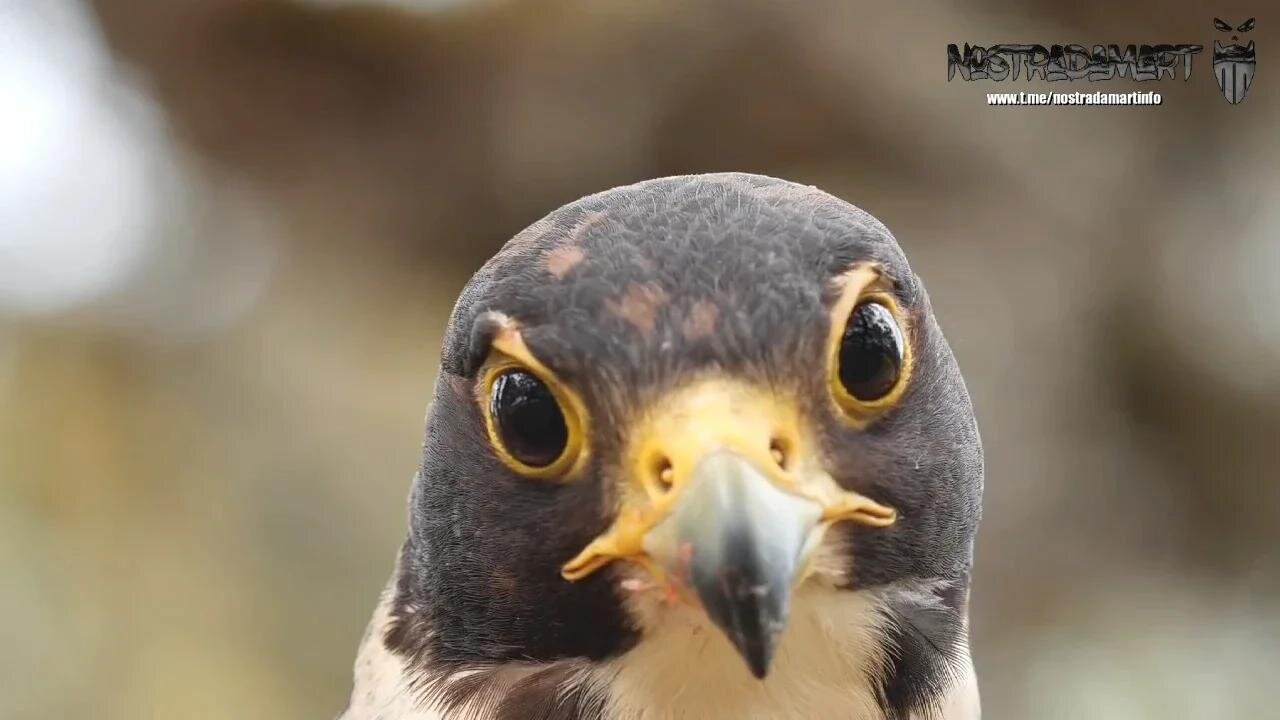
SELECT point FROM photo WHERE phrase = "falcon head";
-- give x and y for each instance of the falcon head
(705, 400)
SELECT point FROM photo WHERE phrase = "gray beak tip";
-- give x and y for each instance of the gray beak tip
(759, 656)
(748, 595)
(751, 614)
(759, 663)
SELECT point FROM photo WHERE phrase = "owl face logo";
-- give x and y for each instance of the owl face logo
(1234, 65)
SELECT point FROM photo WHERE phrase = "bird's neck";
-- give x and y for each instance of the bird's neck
(831, 662)
(826, 664)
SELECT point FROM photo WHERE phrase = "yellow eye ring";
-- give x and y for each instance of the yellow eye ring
(864, 285)
(510, 358)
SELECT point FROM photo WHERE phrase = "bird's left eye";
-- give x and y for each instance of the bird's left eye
(871, 353)
(528, 419)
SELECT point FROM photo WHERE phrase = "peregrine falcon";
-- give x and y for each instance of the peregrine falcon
(697, 449)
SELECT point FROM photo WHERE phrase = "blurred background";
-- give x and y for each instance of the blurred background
(231, 232)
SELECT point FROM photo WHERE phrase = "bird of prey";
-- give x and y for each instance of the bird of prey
(697, 449)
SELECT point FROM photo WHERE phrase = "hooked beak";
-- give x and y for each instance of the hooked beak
(739, 542)
(725, 504)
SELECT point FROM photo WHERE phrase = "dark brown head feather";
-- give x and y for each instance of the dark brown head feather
(727, 273)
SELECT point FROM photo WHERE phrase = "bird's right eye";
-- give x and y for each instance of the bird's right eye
(528, 419)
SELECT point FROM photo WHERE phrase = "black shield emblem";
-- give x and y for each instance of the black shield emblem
(1234, 66)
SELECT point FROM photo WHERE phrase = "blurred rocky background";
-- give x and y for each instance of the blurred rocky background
(231, 231)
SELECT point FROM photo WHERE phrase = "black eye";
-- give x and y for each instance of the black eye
(870, 352)
(528, 418)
